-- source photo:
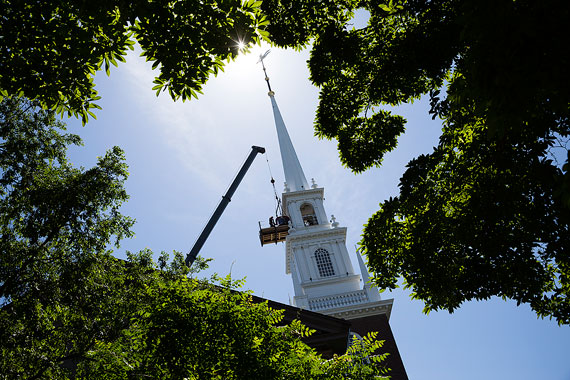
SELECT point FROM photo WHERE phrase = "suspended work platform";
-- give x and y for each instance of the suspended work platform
(274, 234)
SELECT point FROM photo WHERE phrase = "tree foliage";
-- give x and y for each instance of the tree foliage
(71, 310)
(56, 224)
(487, 212)
(51, 50)
(188, 328)
(54, 218)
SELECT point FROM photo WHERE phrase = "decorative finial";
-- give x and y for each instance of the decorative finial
(261, 58)
(314, 185)
(334, 222)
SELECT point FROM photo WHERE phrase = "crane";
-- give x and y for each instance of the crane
(226, 198)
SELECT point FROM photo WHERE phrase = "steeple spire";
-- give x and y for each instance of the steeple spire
(294, 176)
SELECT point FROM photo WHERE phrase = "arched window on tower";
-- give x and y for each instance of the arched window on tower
(324, 263)
(308, 215)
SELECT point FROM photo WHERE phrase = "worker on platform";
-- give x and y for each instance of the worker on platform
(282, 220)
(272, 221)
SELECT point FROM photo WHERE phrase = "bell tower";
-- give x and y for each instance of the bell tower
(317, 259)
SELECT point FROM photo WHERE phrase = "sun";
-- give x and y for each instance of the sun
(241, 45)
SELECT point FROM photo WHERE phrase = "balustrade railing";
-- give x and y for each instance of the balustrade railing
(338, 300)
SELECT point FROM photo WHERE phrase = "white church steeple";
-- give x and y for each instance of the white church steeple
(323, 277)
(294, 176)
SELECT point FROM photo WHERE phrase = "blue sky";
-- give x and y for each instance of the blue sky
(183, 156)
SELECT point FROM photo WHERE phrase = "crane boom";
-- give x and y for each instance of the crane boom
(226, 198)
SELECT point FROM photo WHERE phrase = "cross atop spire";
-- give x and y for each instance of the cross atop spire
(294, 175)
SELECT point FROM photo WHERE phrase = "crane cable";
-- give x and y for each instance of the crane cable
(278, 209)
